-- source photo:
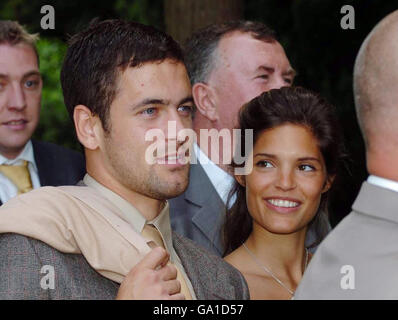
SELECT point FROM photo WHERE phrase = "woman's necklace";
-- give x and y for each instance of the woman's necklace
(270, 272)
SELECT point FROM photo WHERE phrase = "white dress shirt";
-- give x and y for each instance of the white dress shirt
(7, 189)
(383, 182)
(221, 180)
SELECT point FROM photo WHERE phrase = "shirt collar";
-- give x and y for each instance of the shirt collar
(132, 215)
(26, 154)
(221, 180)
(383, 182)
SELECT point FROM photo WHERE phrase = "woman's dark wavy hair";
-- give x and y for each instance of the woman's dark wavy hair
(271, 109)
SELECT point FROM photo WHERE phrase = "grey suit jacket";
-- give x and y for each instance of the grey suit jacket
(22, 259)
(359, 258)
(199, 213)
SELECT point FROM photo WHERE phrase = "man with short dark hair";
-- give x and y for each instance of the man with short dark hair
(229, 64)
(121, 80)
(26, 164)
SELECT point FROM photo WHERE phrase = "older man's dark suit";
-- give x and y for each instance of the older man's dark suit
(57, 166)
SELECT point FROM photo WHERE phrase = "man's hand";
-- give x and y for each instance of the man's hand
(152, 279)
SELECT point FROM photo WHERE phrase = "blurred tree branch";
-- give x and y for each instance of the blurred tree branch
(183, 17)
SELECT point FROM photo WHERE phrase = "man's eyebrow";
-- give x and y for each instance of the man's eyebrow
(26, 75)
(290, 72)
(186, 99)
(266, 68)
(149, 101)
(32, 73)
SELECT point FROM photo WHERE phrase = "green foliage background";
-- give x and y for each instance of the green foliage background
(54, 125)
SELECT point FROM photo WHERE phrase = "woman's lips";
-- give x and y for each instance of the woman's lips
(282, 204)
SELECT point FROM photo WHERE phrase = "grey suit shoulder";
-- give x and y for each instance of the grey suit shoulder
(22, 260)
(211, 277)
(358, 259)
(199, 213)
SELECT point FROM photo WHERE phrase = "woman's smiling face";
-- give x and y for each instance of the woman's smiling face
(283, 191)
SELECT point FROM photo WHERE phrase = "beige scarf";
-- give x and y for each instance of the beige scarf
(74, 219)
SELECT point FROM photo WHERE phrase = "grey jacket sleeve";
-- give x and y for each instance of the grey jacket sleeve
(20, 268)
(211, 277)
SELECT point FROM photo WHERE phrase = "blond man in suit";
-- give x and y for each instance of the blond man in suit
(25, 163)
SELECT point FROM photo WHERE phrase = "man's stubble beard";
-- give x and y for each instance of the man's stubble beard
(144, 181)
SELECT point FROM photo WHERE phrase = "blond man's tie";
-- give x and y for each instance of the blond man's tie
(19, 176)
(152, 233)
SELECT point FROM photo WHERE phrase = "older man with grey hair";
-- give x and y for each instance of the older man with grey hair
(358, 260)
(228, 64)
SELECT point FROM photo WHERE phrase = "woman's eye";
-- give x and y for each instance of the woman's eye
(264, 164)
(306, 167)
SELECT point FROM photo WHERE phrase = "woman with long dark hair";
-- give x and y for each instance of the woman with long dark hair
(296, 153)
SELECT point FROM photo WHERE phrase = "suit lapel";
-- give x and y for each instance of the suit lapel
(209, 210)
(43, 163)
(202, 272)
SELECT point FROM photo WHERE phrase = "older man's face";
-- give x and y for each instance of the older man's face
(246, 67)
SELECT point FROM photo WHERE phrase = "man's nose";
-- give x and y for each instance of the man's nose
(175, 125)
(176, 133)
(16, 98)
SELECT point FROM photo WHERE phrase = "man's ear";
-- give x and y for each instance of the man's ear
(328, 183)
(87, 126)
(204, 98)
